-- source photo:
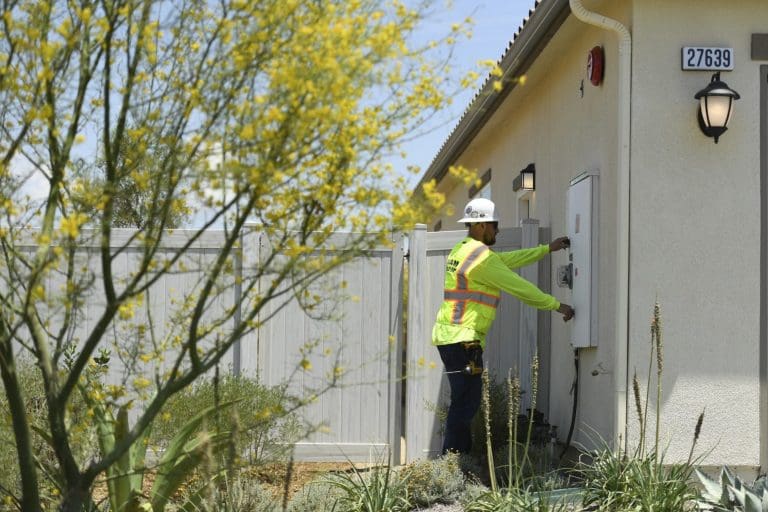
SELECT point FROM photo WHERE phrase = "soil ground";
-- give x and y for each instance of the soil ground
(277, 477)
(273, 477)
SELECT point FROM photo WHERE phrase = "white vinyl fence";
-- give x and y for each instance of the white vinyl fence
(359, 335)
(158, 315)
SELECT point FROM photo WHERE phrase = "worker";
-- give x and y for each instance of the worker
(474, 279)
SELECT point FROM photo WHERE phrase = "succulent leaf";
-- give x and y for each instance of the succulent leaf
(731, 493)
(713, 491)
(752, 503)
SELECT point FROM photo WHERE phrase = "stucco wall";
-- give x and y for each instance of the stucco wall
(694, 217)
(695, 227)
(547, 121)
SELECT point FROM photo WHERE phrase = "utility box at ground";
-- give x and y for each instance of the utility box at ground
(582, 213)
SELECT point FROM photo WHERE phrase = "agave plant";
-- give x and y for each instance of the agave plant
(185, 452)
(730, 493)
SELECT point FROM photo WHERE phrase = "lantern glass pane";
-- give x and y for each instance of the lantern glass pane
(730, 111)
(703, 109)
(718, 111)
(528, 181)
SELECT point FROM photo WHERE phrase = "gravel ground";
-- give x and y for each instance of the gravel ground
(445, 508)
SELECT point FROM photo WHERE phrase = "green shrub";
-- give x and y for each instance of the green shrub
(471, 493)
(79, 424)
(264, 427)
(319, 495)
(239, 493)
(434, 481)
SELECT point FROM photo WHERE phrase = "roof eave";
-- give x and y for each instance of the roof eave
(520, 55)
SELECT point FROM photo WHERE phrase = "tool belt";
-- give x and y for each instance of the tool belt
(474, 352)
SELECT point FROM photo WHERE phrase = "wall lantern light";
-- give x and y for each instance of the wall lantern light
(526, 180)
(715, 107)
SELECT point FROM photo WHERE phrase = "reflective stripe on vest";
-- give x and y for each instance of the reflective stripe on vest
(479, 297)
(461, 295)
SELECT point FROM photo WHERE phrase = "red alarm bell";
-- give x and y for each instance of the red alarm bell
(595, 61)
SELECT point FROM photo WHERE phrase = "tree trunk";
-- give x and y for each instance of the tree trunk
(74, 499)
(30, 494)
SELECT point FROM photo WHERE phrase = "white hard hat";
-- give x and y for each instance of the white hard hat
(479, 210)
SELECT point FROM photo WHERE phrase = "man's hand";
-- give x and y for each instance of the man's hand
(567, 312)
(559, 243)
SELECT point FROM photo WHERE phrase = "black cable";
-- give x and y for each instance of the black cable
(575, 390)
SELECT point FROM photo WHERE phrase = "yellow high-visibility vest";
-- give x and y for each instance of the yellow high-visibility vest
(466, 313)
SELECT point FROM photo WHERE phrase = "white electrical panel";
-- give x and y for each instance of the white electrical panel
(582, 214)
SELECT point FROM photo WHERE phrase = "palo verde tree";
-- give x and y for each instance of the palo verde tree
(134, 194)
(306, 100)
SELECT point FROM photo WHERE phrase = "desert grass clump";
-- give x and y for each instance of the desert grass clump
(517, 500)
(640, 480)
(486, 406)
(534, 395)
(513, 385)
(379, 489)
(497, 416)
(521, 492)
(657, 343)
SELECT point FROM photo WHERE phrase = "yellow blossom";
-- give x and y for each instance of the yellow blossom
(125, 311)
(141, 383)
(70, 226)
(38, 292)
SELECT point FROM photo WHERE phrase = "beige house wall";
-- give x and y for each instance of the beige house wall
(695, 227)
(694, 217)
(548, 121)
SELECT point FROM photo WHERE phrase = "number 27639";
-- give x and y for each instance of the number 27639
(696, 57)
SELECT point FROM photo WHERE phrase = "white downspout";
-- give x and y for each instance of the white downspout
(623, 185)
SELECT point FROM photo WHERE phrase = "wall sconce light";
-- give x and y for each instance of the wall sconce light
(526, 180)
(715, 107)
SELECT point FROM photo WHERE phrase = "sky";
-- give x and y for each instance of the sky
(494, 24)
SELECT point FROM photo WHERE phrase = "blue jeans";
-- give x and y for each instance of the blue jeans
(465, 398)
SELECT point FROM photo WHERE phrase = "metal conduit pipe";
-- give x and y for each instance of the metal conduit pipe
(624, 68)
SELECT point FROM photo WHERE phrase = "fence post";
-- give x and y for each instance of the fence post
(416, 338)
(238, 301)
(248, 345)
(529, 325)
(396, 351)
